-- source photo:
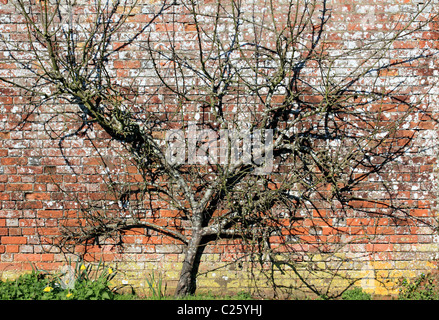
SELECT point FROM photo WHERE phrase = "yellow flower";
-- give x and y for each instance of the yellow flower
(110, 271)
(68, 295)
(82, 267)
(48, 289)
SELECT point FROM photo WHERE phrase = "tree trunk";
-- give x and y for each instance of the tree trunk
(187, 282)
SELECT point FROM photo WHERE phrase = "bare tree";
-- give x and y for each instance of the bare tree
(272, 131)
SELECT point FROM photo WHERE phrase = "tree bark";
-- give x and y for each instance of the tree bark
(187, 281)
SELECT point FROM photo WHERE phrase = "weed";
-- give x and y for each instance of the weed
(356, 293)
(32, 286)
(422, 288)
(156, 286)
(88, 284)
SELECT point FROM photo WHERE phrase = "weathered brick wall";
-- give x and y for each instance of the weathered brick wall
(40, 192)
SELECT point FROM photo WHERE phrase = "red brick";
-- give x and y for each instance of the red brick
(47, 257)
(14, 231)
(379, 247)
(19, 187)
(49, 214)
(30, 205)
(37, 196)
(49, 266)
(13, 240)
(127, 64)
(13, 161)
(12, 248)
(420, 212)
(49, 231)
(27, 257)
(29, 231)
(92, 162)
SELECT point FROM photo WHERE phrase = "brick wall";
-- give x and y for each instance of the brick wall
(41, 192)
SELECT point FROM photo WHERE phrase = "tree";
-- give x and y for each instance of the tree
(268, 130)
